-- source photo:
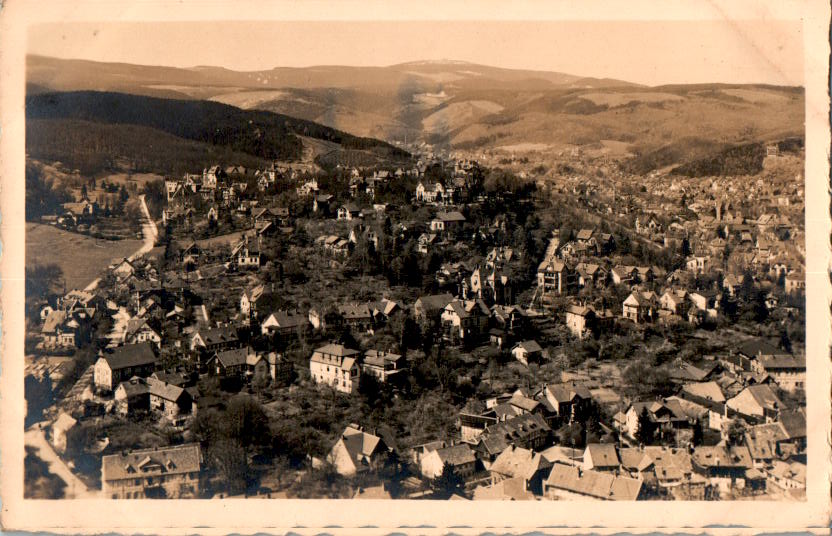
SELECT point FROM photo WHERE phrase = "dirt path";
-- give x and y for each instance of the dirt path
(75, 487)
(150, 233)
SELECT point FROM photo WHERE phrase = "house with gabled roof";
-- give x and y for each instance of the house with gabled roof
(336, 366)
(239, 363)
(132, 396)
(755, 403)
(660, 414)
(248, 302)
(527, 352)
(640, 306)
(528, 466)
(382, 365)
(671, 466)
(246, 253)
(465, 321)
(356, 315)
(673, 300)
(528, 430)
(447, 222)
(634, 461)
(139, 329)
(213, 340)
(708, 394)
(123, 363)
(284, 324)
(623, 274)
(569, 400)
(428, 309)
(357, 451)
(60, 329)
(601, 457)
(459, 456)
(162, 472)
(580, 320)
(555, 276)
(764, 443)
(124, 269)
(788, 475)
(430, 192)
(591, 274)
(567, 482)
(723, 465)
(348, 212)
(168, 399)
(584, 235)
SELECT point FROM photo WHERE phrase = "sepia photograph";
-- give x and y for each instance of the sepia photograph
(416, 260)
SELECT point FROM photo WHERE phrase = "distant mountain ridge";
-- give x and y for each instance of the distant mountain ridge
(69, 75)
(465, 106)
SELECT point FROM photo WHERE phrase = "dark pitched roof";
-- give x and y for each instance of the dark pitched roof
(565, 392)
(218, 335)
(759, 347)
(435, 301)
(456, 455)
(152, 462)
(359, 443)
(336, 349)
(453, 216)
(131, 355)
(232, 358)
(497, 437)
(794, 423)
(164, 390)
(133, 387)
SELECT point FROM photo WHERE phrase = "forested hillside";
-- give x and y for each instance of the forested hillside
(259, 134)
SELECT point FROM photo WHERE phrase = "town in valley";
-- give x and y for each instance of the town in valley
(229, 302)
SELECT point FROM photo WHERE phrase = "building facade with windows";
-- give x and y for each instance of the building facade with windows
(171, 473)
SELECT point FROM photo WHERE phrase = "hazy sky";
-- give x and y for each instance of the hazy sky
(646, 52)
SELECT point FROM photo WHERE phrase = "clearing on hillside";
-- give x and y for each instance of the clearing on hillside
(82, 258)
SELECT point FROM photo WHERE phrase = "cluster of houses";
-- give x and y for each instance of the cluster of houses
(655, 295)
(730, 225)
(78, 214)
(461, 186)
(507, 452)
(68, 323)
(506, 446)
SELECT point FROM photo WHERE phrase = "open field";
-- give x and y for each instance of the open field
(620, 99)
(81, 257)
(757, 96)
(220, 240)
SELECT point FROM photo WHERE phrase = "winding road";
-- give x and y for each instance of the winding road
(75, 487)
(149, 233)
(34, 436)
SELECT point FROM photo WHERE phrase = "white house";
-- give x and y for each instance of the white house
(336, 366)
